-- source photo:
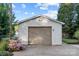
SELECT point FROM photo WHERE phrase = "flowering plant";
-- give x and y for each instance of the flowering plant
(15, 45)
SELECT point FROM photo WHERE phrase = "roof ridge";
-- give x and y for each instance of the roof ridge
(36, 16)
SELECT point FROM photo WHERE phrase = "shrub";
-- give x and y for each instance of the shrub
(15, 45)
(71, 41)
(77, 34)
(3, 45)
(5, 53)
(4, 37)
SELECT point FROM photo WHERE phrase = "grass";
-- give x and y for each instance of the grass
(71, 41)
(3, 45)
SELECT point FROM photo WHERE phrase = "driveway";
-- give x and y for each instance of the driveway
(36, 50)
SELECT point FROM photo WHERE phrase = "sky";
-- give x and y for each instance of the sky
(26, 10)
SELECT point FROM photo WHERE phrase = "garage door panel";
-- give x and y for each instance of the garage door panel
(40, 35)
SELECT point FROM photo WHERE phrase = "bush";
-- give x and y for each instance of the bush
(5, 53)
(4, 37)
(71, 41)
(15, 45)
(3, 45)
(77, 34)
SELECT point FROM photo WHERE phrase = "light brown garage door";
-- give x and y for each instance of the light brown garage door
(39, 35)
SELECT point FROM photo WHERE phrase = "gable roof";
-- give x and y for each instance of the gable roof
(34, 17)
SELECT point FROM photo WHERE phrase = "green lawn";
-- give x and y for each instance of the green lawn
(71, 41)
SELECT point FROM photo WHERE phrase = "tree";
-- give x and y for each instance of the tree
(66, 14)
(77, 21)
(77, 34)
(6, 19)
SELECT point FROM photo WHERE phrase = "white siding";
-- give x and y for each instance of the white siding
(57, 34)
(56, 31)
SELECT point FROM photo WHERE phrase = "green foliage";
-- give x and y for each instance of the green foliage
(77, 21)
(5, 53)
(6, 20)
(67, 14)
(71, 41)
(4, 17)
(3, 45)
(77, 34)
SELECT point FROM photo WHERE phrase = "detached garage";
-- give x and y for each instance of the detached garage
(40, 30)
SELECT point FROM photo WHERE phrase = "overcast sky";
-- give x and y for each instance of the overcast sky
(27, 10)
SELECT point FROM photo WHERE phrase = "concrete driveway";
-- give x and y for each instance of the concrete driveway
(36, 50)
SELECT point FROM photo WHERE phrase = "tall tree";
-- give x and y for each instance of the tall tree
(77, 10)
(66, 14)
(6, 19)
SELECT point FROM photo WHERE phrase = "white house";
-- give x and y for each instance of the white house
(41, 30)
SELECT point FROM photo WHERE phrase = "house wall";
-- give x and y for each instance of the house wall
(56, 30)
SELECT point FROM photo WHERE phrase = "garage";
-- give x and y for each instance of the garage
(40, 35)
(40, 30)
